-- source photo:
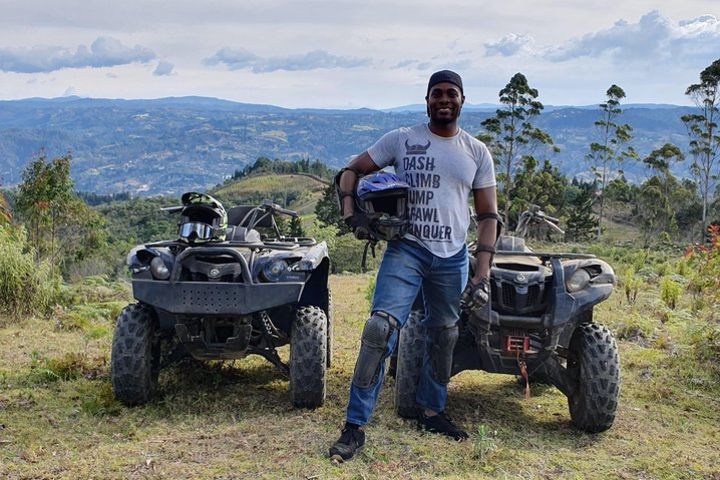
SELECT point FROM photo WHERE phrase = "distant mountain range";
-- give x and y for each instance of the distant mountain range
(170, 145)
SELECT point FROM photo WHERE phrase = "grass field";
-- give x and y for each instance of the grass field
(297, 192)
(59, 419)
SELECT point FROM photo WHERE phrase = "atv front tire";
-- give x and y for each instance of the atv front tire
(135, 357)
(594, 366)
(410, 352)
(308, 357)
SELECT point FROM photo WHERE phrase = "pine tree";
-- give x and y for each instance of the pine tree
(328, 211)
(296, 229)
(582, 222)
(704, 132)
(609, 151)
(512, 137)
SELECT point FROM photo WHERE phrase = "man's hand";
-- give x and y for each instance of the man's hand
(475, 295)
(359, 225)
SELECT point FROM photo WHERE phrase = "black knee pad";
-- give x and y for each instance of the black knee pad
(442, 344)
(376, 336)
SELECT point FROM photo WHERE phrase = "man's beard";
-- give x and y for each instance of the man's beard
(443, 120)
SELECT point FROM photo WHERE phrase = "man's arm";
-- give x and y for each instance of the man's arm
(485, 201)
(363, 164)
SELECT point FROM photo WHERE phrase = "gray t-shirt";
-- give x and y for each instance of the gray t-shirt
(441, 172)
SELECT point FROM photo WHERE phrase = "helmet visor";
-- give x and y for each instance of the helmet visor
(196, 231)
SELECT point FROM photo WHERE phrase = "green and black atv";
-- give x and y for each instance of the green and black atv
(223, 291)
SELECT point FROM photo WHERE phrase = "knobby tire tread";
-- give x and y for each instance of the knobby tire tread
(308, 357)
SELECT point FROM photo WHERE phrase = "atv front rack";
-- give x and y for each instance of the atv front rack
(275, 244)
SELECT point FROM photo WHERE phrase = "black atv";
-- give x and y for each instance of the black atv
(538, 326)
(248, 294)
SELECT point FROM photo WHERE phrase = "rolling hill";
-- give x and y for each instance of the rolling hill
(170, 145)
(297, 192)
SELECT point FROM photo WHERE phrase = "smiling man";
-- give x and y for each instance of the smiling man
(442, 165)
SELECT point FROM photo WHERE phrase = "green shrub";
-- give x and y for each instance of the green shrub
(670, 291)
(67, 367)
(26, 286)
(345, 251)
(631, 284)
(663, 342)
(683, 268)
(95, 289)
(705, 340)
(86, 317)
(636, 328)
(662, 269)
(484, 443)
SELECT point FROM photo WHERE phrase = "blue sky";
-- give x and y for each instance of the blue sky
(348, 54)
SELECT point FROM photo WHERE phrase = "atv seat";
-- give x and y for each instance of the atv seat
(242, 215)
(511, 244)
(238, 233)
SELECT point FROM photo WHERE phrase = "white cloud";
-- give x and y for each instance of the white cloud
(509, 45)
(655, 38)
(163, 68)
(103, 52)
(69, 91)
(396, 44)
(238, 59)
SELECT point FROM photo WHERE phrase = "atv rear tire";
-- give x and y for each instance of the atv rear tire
(308, 357)
(594, 365)
(410, 352)
(135, 358)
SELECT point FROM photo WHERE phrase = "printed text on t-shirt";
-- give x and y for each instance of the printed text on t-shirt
(424, 220)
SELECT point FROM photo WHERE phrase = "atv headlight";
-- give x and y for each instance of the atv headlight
(158, 269)
(272, 271)
(302, 266)
(578, 280)
(135, 263)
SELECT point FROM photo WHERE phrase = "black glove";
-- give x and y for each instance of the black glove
(359, 225)
(475, 296)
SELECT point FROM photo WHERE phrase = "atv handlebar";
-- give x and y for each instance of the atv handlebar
(274, 207)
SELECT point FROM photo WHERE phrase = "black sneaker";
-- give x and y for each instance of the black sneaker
(441, 423)
(351, 440)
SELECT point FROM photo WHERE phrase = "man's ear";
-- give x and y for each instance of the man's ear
(427, 108)
(462, 102)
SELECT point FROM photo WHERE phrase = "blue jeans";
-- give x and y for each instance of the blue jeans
(407, 269)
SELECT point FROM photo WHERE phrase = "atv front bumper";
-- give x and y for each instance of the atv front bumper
(215, 298)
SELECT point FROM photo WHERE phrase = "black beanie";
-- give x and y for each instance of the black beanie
(445, 76)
